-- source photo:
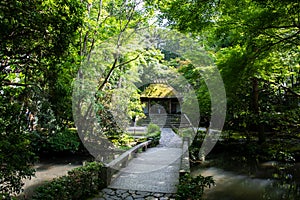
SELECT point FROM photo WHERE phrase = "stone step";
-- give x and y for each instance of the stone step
(119, 194)
(167, 121)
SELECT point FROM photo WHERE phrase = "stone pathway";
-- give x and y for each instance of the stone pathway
(169, 139)
(153, 174)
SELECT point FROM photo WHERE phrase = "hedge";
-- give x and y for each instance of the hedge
(80, 183)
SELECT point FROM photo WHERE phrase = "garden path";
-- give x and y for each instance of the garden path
(153, 174)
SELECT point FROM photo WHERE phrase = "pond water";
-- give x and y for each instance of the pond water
(50, 167)
(231, 185)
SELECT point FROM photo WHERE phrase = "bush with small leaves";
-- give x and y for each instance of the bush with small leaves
(192, 188)
(153, 133)
(80, 183)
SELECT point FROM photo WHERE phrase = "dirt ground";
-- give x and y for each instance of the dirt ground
(48, 169)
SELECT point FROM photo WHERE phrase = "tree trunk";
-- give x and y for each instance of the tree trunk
(259, 125)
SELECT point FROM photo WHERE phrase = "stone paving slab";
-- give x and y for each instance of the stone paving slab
(149, 168)
(163, 180)
(147, 182)
(155, 159)
(155, 176)
(169, 139)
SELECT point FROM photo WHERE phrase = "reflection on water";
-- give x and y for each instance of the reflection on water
(230, 185)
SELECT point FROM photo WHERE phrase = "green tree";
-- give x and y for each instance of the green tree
(16, 155)
(34, 36)
(245, 36)
(114, 50)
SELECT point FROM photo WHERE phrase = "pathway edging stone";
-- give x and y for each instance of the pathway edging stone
(119, 194)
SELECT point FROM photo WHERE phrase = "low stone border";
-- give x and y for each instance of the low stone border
(118, 194)
(185, 159)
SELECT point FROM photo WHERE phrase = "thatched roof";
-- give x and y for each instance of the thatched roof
(159, 90)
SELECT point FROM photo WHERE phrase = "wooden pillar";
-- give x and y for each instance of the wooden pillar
(148, 106)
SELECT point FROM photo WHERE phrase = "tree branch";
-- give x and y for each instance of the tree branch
(290, 90)
(114, 66)
(7, 83)
(270, 45)
(280, 27)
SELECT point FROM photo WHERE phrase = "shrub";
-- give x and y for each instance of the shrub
(80, 183)
(61, 140)
(65, 140)
(152, 128)
(186, 132)
(193, 187)
(153, 133)
(123, 141)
